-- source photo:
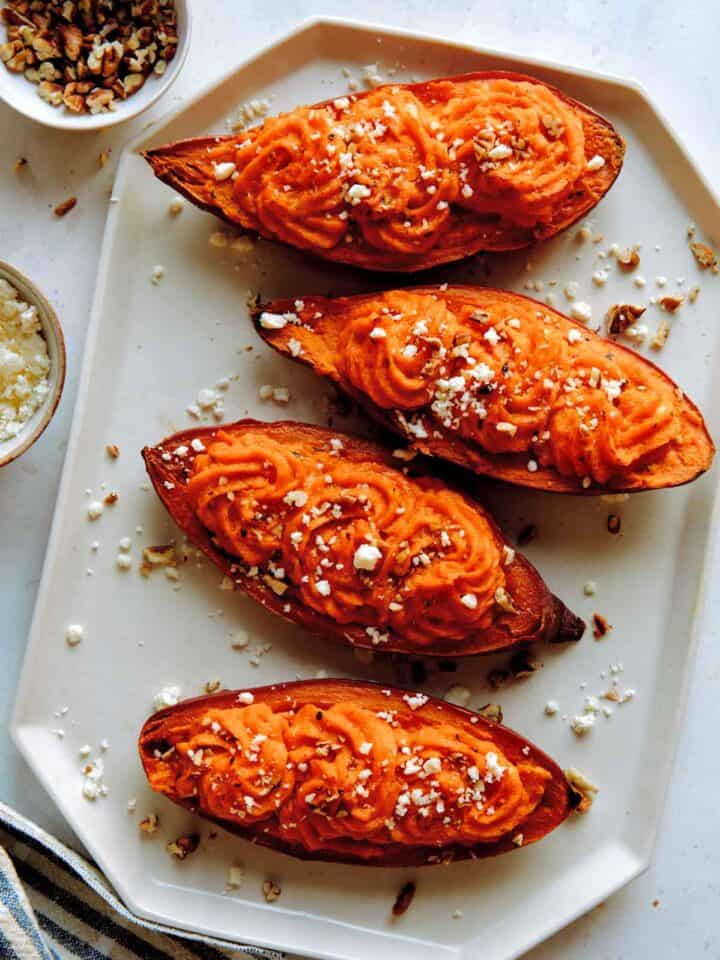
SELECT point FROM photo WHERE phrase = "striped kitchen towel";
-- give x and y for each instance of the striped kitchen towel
(55, 905)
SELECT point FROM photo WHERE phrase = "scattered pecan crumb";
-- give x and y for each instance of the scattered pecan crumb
(149, 824)
(163, 556)
(704, 255)
(496, 678)
(526, 535)
(693, 294)
(671, 303)
(661, 335)
(620, 316)
(19, 164)
(628, 258)
(612, 695)
(183, 846)
(583, 790)
(614, 523)
(212, 686)
(111, 499)
(103, 158)
(65, 207)
(600, 626)
(271, 890)
(113, 451)
(403, 899)
(491, 711)
(656, 903)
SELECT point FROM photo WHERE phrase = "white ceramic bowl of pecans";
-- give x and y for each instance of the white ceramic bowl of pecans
(32, 363)
(89, 64)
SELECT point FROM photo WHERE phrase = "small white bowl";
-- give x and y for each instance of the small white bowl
(52, 331)
(22, 95)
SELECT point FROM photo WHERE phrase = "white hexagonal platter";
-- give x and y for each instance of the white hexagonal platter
(152, 347)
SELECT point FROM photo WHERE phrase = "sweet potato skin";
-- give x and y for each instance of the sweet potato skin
(177, 164)
(697, 453)
(540, 615)
(558, 802)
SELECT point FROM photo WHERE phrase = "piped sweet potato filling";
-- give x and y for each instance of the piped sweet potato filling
(358, 542)
(316, 777)
(510, 377)
(393, 163)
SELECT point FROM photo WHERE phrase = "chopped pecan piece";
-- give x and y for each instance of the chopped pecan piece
(620, 316)
(65, 207)
(704, 255)
(183, 846)
(403, 899)
(601, 627)
(584, 790)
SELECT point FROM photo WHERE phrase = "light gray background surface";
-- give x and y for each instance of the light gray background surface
(672, 49)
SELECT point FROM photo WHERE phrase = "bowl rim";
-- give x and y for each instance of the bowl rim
(49, 318)
(59, 120)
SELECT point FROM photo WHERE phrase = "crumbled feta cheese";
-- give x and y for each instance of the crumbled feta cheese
(295, 347)
(246, 697)
(377, 333)
(582, 311)
(323, 588)
(167, 697)
(235, 876)
(295, 498)
(571, 289)
(365, 748)
(273, 321)
(573, 335)
(600, 277)
(416, 700)
(596, 163)
(95, 510)
(197, 445)
(357, 192)
(582, 723)
(223, 171)
(74, 634)
(366, 557)
(469, 600)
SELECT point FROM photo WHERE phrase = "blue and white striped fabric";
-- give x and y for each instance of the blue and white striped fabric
(55, 905)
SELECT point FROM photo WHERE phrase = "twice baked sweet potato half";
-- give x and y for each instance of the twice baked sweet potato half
(407, 176)
(324, 529)
(352, 772)
(501, 384)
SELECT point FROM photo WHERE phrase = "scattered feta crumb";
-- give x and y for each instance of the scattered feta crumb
(95, 510)
(582, 723)
(600, 278)
(551, 708)
(74, 634)
(158, 272)
(582, 311)
(176, 206)
(589, 588)
(123, 561)
(239, 640)
(167, 697)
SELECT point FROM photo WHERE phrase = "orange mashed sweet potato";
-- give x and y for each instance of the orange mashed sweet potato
(501, 373)
(316, 778)
(360, 542)
(394, 162)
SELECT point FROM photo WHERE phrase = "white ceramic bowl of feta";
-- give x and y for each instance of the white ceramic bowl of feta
(22, 95)
(30, 385)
